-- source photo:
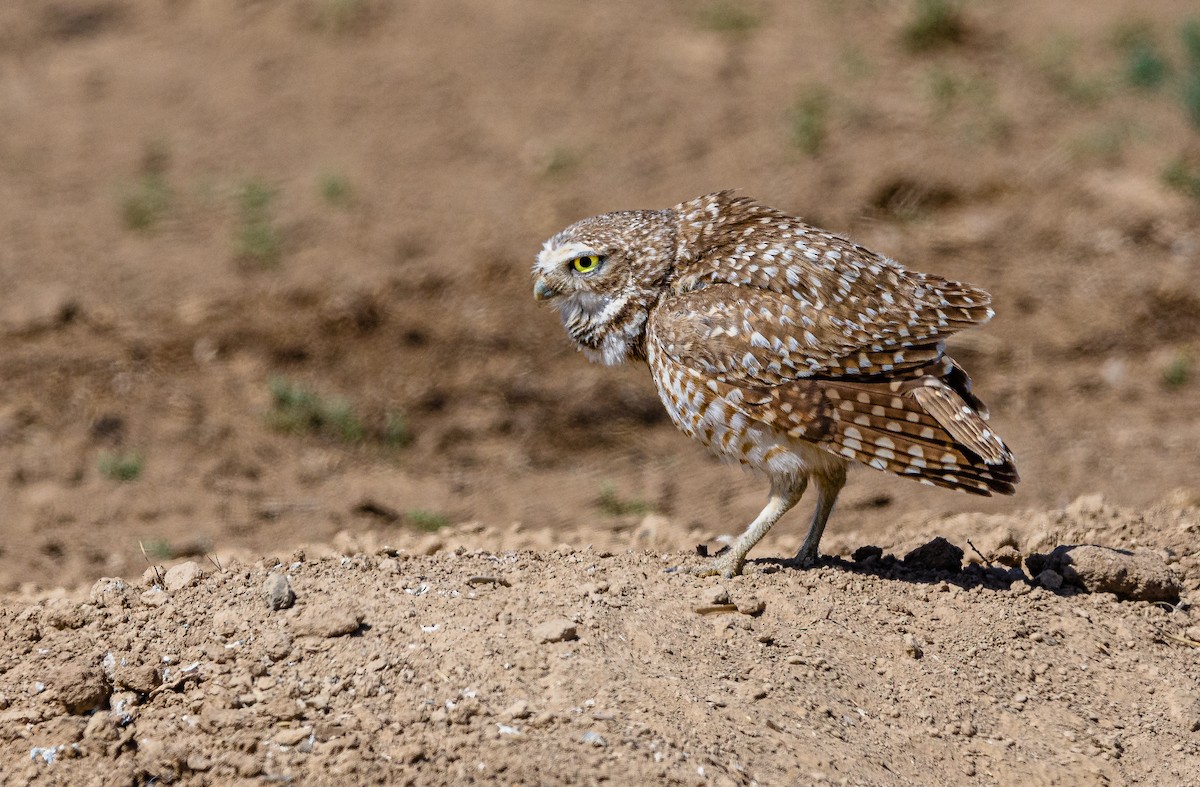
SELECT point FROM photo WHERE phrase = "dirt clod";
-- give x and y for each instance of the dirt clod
(751, 606)
(336, 621)
(556, 630)
(936, 555)
(1138, 575)
(865, 553)
(111, 592)
(182, 575)
(142, 678)
(62, 613)
(80, 688)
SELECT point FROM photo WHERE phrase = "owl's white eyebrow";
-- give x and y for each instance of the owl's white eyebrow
(570, 251)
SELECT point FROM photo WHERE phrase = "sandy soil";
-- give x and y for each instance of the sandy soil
(589, 665)
(265, 288)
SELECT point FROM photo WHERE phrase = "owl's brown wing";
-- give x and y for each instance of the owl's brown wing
(891, 401)
(750, 336)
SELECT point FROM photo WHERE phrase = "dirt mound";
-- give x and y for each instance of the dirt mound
(582, 666)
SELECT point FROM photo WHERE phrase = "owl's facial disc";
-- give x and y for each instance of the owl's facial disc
(581, 279)
(603, 274)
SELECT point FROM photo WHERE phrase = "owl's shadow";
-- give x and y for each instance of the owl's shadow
(933, 563)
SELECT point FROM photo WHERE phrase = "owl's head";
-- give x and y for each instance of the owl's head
(603, 274)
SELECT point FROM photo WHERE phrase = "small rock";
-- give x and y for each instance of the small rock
(938, 555)
(1020, 588)
(557, 630)
(183, 575)
(911, 647)
(1049, 579)
(593, 738)
(81, 689)
(714, 596)
(865, 553)
(389, 566)
(329, 622)
(1134, 576)
(751, 606)
(291, 736)
(278, 592)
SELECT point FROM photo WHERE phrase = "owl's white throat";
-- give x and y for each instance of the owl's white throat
(591, 320)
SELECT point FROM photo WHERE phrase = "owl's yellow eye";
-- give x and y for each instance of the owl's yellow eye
(586, 264)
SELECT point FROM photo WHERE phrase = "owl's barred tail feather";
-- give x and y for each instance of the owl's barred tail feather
(920, 427)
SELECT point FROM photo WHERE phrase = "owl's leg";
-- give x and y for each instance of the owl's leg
(829, 483)
(785, 493)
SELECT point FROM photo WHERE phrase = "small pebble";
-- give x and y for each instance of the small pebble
(183, 575)
(278, 592)
(911, 647)
(557, 630)
(291, 736)
(334, 621)
(593, 738)
(751, 606)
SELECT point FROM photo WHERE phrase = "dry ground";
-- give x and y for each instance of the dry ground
(264, 268)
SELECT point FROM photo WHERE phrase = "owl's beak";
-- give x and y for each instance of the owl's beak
(542, 290)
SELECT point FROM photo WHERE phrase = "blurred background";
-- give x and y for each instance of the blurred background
(264, 264)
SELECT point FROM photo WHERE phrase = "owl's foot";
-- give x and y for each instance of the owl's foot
(806, 559)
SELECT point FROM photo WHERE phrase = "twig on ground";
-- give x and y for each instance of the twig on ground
(158, 580)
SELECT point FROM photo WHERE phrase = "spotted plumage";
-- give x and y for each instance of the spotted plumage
(780, 346)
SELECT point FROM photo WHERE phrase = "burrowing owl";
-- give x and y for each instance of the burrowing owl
(781, 346)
